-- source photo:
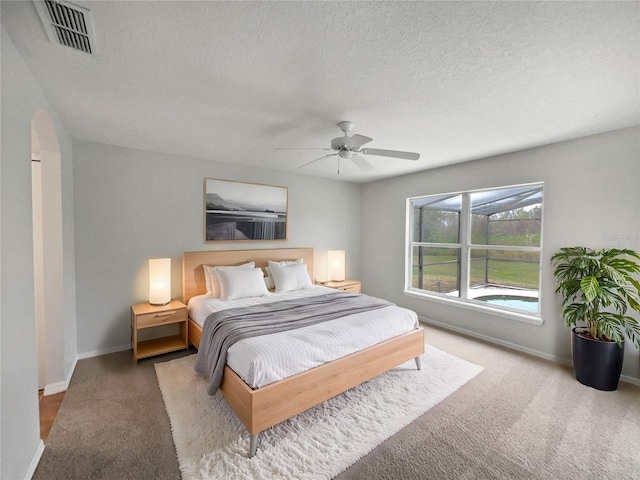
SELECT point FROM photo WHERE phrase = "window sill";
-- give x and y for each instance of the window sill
(533, 319)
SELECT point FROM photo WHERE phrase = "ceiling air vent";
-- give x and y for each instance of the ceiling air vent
(67, 24)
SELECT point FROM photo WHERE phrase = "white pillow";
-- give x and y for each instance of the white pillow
(268, 280)
(211, 277)
(290, 277)
(241, 283)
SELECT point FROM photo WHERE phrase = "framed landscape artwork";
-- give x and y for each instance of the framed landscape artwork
(244, 211)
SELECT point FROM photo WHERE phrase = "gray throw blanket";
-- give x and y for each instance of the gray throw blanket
(223, 329)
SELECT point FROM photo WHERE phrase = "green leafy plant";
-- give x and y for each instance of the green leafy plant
(597, 288)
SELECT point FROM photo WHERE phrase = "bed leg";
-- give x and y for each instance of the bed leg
(418, 363)
(253, 445)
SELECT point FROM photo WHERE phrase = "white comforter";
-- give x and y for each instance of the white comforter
(262, 360)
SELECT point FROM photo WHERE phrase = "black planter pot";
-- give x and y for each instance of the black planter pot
(597, 364)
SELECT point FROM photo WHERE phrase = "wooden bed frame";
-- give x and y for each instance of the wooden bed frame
(260, 409)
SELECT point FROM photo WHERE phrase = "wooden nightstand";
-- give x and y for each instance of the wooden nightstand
(145, 315)
(345, 285)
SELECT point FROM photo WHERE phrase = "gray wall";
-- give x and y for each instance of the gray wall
(591, 198)
(132, 205)
(21, 98)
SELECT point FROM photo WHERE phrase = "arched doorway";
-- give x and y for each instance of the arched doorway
(48, 251)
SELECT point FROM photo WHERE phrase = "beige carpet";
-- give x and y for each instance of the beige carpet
(521, 418)
(212, 443)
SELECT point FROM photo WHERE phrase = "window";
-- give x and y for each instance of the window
(481, 248)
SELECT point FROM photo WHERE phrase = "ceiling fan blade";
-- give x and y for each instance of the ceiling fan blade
(362, 163)
(304, 148)
(312, 161)
(391, 153)
(356, 141)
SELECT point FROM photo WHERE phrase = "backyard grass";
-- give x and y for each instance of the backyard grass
(441, 277)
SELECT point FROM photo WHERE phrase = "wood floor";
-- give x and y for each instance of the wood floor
(49, 406)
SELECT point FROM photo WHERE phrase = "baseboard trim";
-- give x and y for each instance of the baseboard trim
(71, 370)
(61, 386)
(35, 461)
(64, 386)
(628, 379)
(514, 346)
(53, 388)
(104, 351)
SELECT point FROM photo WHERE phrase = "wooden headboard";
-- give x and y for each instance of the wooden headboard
(193, 274)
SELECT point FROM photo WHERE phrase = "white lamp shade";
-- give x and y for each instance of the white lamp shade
(159, 281)
(336, 265)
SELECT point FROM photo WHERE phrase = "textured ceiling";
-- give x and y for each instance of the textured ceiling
(233, 81)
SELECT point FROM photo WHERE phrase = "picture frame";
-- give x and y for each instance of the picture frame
(235, 211)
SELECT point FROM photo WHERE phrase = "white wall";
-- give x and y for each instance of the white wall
(21, 98)
(132, 205)
(591, 198)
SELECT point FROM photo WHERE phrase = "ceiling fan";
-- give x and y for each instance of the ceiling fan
(349, 147)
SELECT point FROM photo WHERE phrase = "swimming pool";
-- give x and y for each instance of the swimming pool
(528, 304)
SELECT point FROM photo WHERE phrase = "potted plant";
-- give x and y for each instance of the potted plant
(597, 288)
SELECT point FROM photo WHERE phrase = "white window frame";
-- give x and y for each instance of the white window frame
(465, 246)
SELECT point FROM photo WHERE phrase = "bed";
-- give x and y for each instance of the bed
(261, 408)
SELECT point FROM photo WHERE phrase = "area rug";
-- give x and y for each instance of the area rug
(212, 443)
